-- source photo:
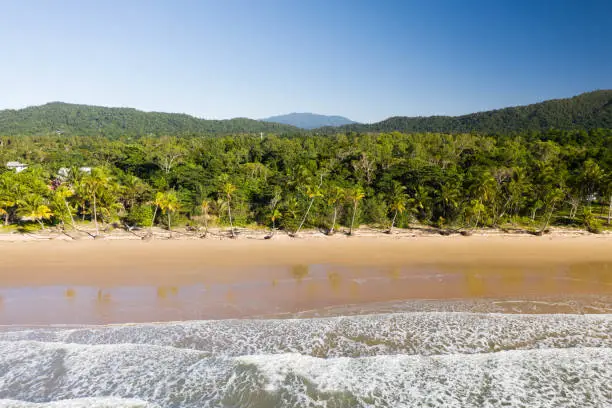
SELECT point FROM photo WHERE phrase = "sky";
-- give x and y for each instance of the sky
(367, 60)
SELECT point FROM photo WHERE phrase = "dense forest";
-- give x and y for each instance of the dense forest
(590, 110)
(451, 182)
(587, 111)
(86, 120)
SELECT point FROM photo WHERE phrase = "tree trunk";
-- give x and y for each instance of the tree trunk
(229, 214)
(95, 214)
(610, 211)
(533, 213)
(42, 226)
(205, 223)
(552, 209)
(169, 226)
(70, 212)
(6, 219)
(393, 222)
(478, 215)
(305, 216)
(333, 227)
(153, 220)
(353, 218)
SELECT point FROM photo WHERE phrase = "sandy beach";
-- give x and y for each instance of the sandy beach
(132, 262)
(109, 281)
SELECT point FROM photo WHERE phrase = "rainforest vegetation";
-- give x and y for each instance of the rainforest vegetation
(452, 182)
(587, 111)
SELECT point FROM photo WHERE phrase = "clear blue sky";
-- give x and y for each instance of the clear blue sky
(363, 59)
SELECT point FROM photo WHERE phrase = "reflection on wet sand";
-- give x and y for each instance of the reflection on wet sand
(584, 287)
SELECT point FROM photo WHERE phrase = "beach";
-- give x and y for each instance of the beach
(121, 280)
(369, 320)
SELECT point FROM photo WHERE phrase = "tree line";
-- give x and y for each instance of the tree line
(387, 180)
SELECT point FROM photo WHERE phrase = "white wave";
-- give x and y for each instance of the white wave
(395, 359)
(105, 402)
(533, 378)
(423, 333)
(171, 377)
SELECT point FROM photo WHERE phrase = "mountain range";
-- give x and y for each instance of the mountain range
(309, 120)
(586, 111)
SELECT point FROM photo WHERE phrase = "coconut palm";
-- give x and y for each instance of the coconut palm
(158, 201)
(168, 203)
(355, 195)
(335, 197)
(62, 193)
(312, 192)
(133, 189)
(398, 202)
(34, 207)
(93, 186)
(7, 196)
(275, 212)
(5, 204)
(228, 189)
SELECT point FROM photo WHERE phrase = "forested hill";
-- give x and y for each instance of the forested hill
(85, 120)
(586, 111)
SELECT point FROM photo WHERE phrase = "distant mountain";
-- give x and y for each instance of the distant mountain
(586, 111)
(86, 120)
(309, 120)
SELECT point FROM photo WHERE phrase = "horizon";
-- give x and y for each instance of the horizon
(362, 60)
(297, 113)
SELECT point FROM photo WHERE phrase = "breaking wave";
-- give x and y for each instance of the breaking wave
(419, 359)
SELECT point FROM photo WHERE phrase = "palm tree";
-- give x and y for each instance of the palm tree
(5, 204)
(34, 207)
(335, 196)
(93, 185)
(7, 195)
(158, 201)
(133, 188)
(168, 203)
(355, 195)
(62, 193)
(484, 191)
(275, 215)
(398, 202)
(552, 199)
(312, 193)
(275, 212)
(228, 189)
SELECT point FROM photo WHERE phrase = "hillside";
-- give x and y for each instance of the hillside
(309, 120)
(85, 120)
(586, 111)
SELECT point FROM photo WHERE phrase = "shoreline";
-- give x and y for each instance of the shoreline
(89, 233)
(125, 281)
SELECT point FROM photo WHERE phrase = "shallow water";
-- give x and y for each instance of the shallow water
(268, 292)
(315, 336)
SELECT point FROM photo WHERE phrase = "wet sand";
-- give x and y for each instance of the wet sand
(92, 282)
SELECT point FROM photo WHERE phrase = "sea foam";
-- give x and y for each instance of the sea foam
(392, 359)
